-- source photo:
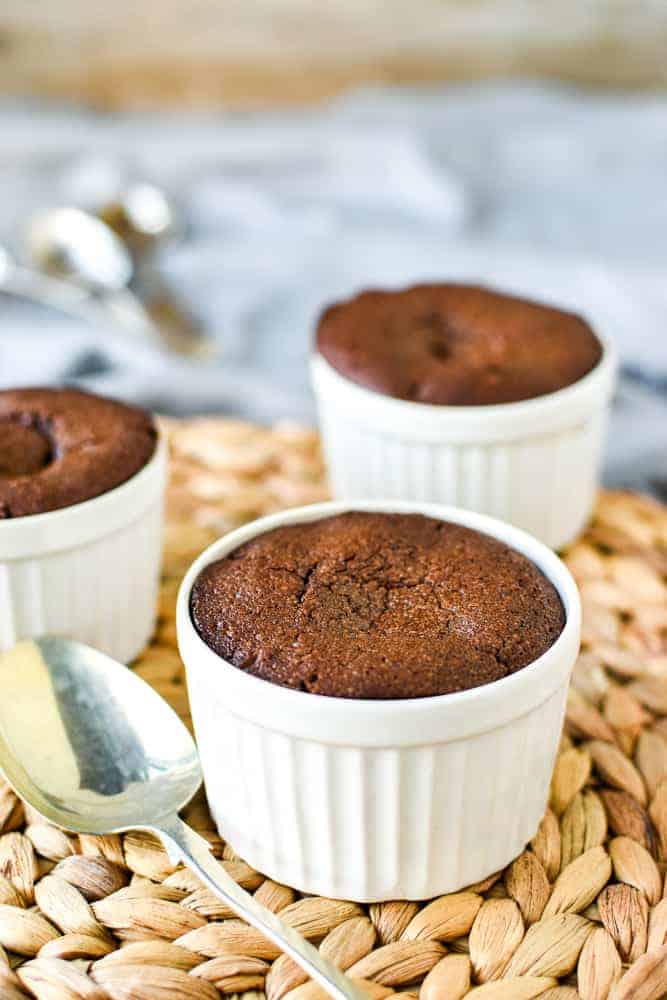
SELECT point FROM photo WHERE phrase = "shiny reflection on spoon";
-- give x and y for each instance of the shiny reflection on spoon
(96, 750)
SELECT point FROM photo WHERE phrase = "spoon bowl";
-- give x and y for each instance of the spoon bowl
(111, 753)
(73, 245)
(94, 749)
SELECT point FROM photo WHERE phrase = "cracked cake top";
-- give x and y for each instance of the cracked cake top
(375, 605)
(456, 345)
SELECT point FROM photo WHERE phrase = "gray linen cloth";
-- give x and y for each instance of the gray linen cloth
(544, 191)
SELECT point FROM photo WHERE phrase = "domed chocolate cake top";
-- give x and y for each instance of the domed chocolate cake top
(61, 446)
(374, 605)
(456, 345)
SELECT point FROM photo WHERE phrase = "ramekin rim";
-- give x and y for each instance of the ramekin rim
(558, 575)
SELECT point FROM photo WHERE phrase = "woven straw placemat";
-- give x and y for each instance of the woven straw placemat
(582, 912)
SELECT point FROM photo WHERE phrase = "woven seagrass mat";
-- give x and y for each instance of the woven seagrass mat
(582, 912)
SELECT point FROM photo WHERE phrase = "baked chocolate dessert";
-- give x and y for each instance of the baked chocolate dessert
(61, 446)
(456, 345)
(374, 605)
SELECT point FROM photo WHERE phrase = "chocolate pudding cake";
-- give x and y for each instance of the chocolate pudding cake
(61, 446)
(375, 605)
(456, 345)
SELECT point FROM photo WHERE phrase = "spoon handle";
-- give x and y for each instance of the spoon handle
(122, 308)
(129, 312)
(181, 840)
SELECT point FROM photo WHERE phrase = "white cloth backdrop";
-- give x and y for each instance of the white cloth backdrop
(541, 190)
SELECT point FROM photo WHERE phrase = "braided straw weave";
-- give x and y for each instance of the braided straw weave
(582, 912)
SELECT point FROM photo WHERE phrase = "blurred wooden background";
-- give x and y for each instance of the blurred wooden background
(146, 53)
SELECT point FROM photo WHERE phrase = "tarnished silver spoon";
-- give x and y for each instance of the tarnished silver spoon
(144, 216)
(95, 750)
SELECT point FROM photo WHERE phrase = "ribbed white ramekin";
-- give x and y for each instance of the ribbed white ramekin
(373, 800)
(89, 571)
(534, 463)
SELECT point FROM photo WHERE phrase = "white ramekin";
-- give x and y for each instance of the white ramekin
(89, 571)
(533, 463)
(373, 800)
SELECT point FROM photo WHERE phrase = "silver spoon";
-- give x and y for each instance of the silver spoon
(145, 217)
(72, 246)
(69, 243)
(75, 246)
(94, 749)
